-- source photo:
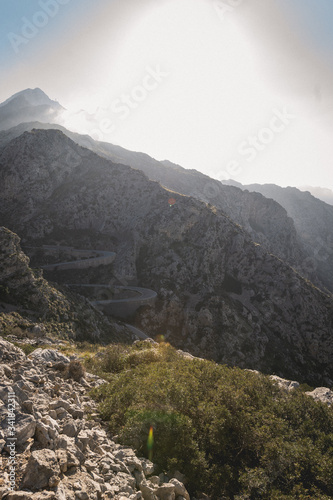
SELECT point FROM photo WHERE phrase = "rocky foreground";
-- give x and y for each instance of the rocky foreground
(52, 443)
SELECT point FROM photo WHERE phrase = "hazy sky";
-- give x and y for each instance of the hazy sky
(238, 89)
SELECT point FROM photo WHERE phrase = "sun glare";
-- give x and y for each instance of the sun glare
(207, 82)
(177, 82)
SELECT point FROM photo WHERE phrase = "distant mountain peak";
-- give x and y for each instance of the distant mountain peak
(26, 106)
(33, 97)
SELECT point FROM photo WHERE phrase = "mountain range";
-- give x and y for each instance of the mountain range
(243, 274)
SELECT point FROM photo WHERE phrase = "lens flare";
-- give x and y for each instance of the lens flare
(171, 201)
(150, 443)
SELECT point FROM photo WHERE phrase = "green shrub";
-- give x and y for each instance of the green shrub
(26, 348)
(232, 432)
(175, 446)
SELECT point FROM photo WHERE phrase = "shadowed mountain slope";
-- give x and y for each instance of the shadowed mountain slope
(219, 294)
(265, 220)
(313, 219)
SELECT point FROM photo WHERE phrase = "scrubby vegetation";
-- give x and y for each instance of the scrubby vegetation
(232, 432)
(75, 370)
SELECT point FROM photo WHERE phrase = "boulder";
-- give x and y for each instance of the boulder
(18, 495)
(25, 426)
(22, 391)
(69, 428)
(322, 394)
(42, 435)
(147, 466)
(180, 489)
(155, 480)
(181, 477)
(28, 406)
(288, 385)
(139, 477)
(166, 491)
(48, 356)
(75, 457)
(62, 459)
(59, 403)
(7, 371)
(148, 490)
(81, 495)
(41, 467)
(9, 353)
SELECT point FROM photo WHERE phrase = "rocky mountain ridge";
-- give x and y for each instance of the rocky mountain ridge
(219, 294)
(313, 221)
(323, 194)
(266, 221)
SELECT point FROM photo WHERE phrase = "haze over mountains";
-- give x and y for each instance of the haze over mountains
(27, 105)
(243, 274)
(324, 194)
(313, 221)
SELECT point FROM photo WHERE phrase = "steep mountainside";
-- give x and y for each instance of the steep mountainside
(219, 294)
(313, 220)
(265, 220)
(28, 303)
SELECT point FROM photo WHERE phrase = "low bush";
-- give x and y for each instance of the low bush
(26, 348)
(232, 432)
(75, 370)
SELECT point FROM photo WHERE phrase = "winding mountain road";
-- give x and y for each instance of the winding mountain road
(123, 307)
(86, 258)
(143, 293)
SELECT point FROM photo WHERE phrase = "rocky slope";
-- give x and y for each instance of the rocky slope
(265, 220)
(219, 294)
(54, 446)
(313, 220)
(51, 442)
(29, 304)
